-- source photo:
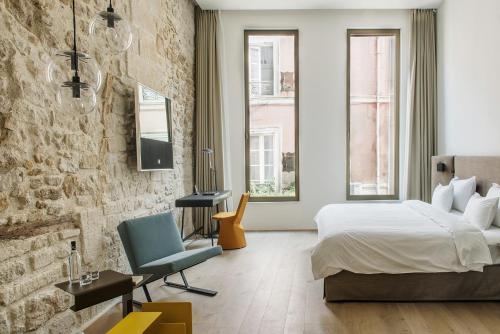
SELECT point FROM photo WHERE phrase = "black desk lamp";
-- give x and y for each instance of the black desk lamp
(210, 155)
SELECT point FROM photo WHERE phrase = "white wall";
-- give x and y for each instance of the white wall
(322, 56)
(469, 77)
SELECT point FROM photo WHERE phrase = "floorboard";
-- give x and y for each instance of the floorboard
(268, 288)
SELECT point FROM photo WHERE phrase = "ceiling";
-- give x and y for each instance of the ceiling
(316, 4)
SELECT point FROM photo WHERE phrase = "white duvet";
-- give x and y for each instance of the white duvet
(406, 237)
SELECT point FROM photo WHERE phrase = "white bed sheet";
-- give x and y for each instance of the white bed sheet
(395, 238)
(492, 235)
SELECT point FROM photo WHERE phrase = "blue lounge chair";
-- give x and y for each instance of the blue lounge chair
(154, 246)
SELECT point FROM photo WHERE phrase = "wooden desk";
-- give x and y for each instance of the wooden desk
(201, 201)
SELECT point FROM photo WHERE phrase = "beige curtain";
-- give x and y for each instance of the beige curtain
(208, 114)
(422, 97)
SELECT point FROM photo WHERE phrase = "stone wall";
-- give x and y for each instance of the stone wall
(66, 177)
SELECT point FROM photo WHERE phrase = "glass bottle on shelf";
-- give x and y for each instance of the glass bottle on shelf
(75, 264)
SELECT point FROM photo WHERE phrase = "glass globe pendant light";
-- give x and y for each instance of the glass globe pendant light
(75, 76)
(111, 29)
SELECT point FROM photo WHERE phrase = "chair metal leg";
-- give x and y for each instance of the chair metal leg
(182, 224)
(188, 287)
(146, 292)
(210, 221)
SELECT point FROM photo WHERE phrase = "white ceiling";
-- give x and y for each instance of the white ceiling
(316, 4)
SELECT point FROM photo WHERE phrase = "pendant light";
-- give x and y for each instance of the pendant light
(75, 76)
(112, 31)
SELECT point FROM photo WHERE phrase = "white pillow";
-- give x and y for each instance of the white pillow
(462, 192)
(481, 211)
(495, 192)
(442, 198)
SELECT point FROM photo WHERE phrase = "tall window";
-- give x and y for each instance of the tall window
(372, 114)
(271, 76)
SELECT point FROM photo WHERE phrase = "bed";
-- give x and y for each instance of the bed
(410, 251)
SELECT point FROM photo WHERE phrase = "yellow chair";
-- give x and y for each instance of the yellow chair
(157, 318)
(231, 233)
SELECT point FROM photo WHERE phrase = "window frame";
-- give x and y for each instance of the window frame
(369, 33)
(271, 32)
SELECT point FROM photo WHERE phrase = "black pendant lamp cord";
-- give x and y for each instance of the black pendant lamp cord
(75, 54)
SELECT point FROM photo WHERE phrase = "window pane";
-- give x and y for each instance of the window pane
(254, 143)
(271, 113)
(254, 173)
(254, 158)
(268, 142)
(268, 157)
(269, 173)
(372, 115)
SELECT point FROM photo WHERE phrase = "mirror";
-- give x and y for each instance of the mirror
(154, 131)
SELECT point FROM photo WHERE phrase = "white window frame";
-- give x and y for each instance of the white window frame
(276, 133)
(276, 65)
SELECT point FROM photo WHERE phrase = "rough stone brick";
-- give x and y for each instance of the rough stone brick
(20, 288)
(17, 317)
(13, 248)
(89, 161)
(11, 270)
(62, 323)
(53, 180)
(49, 193)
(117, 144)
(39, 242)
(42, 258)
(67, 234)
(4, 324)
(38, 311)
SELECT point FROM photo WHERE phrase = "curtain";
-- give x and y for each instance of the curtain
(226, 140)
(422, 120)
(208, 111)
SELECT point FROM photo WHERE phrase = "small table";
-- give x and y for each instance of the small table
(111, 284)
(201, 201)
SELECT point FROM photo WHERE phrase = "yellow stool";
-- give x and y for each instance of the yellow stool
(231, 233)
(157, 318)
(136, 323)
(175, 318)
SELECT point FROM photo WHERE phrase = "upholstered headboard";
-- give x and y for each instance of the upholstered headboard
(485, 169)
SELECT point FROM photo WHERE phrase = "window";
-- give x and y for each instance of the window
(372, 114)
(271, 76)
(263, 63)
(264, 156)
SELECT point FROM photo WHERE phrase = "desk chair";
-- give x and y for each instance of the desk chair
(231, 233)
(153, 246)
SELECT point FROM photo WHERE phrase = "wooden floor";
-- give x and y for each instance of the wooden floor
(268, 288)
